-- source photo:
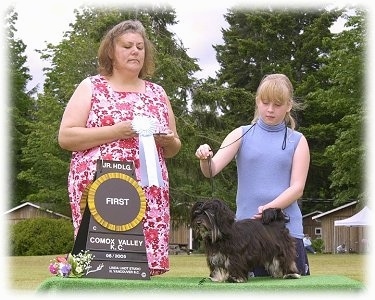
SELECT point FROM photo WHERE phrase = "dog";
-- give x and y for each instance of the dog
(233, 248)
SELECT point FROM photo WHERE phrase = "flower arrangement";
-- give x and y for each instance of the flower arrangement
(72, 265)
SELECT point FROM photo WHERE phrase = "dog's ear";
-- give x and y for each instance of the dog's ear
(197, 205)
(274, 214)
(224, 213)
(280, 215)
(196, 208)
(268, 215)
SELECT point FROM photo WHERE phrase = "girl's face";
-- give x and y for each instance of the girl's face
(272, 112)
(129, 52)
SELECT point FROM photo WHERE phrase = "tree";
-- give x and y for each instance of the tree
(264, 41)
(343, 98)
(47, 165)
(21, 108)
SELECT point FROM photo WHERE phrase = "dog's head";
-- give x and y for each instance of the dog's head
(211, 220)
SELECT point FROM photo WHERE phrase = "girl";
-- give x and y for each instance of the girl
(272, 160)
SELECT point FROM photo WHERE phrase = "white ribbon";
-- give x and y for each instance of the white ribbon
(150, 171)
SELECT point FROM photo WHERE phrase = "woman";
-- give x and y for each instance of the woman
(272, 160)
(99, 122)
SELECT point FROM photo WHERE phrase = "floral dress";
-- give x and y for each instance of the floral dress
(107, 108)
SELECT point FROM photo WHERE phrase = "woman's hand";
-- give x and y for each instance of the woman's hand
(164, 139)
(125, 130)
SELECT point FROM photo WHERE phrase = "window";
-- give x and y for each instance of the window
(318, 231)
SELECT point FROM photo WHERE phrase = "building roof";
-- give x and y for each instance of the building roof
(37, 207)
(335, 209)
(311, 214)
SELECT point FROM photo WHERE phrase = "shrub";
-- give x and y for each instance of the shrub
(318, 245)
(41, 236)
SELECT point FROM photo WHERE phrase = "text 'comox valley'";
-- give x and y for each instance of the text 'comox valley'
(116, 243)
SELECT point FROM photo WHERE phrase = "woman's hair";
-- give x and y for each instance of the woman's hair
(107, 48)
(278, 89)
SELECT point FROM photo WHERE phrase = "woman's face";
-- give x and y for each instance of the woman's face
(129, 52)
(272, 112)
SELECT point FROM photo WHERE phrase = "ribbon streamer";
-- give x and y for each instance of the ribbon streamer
(150, 171)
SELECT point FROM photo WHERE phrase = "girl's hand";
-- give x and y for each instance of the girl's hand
(203, 152)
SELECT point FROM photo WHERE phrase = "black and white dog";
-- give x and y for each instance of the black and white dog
(233, 248)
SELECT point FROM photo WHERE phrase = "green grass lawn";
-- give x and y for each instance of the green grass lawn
(28, 272)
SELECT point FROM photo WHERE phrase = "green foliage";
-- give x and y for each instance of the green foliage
(21, 106)
(341, 95)
(47, 165)
(263, 41)
(318, 245)
(41, 236)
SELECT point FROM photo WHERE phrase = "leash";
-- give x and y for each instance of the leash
(210, 158)
(211, 177)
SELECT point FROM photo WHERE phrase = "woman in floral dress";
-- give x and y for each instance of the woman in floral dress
(98, 123)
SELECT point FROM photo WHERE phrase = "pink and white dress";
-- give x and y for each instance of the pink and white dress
(107, 108)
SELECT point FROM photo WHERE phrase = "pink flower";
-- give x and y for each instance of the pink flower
(61, 259)
(53, 268)
(107, 121)
(108, 156)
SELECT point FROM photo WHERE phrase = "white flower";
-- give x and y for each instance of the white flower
(79, 269)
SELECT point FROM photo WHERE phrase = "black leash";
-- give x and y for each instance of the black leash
(211, 177)
(210, 157)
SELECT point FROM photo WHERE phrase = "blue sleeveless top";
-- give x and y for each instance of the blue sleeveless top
(264, 170)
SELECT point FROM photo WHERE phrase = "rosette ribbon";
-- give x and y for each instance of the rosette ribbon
(150, 171)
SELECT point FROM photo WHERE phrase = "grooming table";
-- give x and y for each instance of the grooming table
(184, 285)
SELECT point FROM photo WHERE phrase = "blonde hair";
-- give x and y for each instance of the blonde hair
(107, 48)
(278, 89)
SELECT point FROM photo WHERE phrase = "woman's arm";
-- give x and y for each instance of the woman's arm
(73, 134)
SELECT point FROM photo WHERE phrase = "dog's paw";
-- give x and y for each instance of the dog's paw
(292, 276)
(216, 279)
(232, 279)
